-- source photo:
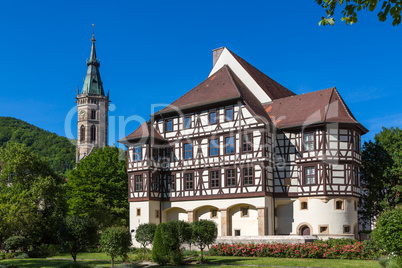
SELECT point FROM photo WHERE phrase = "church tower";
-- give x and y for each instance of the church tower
(93, 107)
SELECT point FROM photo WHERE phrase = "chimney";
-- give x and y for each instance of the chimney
(216, 53)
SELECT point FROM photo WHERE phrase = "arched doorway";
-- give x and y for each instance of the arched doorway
(305, 230)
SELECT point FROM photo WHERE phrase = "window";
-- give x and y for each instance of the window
(229, 114)
(357, 143)
(214, 213)
(187, 122)
(188, 151)
(189, 181)
(346, 229)
(308, 141)
(323, 229)
(247, 143)
(170, 181)
(93, 133)
(339, 205)
(214, 176)
(355, 205)
(248, 176)
(244, 211)
(356, 176)
(229, 145)
(138, 212)
(157, 213)
(230, 178)
(212, 118)
(155, 183)
(137, 153)
(169, 125)
(93, 114)
(82, 136)
(309, 173)
(303, 205)
(237, 232)
(138, 182)
(213, 147)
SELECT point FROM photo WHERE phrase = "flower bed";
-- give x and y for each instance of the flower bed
(305, 250)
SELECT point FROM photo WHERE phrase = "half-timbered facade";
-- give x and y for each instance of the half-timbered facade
(244, 151)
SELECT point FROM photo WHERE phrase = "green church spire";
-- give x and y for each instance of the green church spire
(93, 83)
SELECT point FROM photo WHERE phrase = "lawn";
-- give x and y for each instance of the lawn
(102, 260)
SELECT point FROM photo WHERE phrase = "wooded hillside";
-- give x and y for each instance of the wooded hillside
(58, 150)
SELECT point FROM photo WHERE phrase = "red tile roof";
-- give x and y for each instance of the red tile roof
(144, 131)
(218, 87)
(272, 88)
(323, 106)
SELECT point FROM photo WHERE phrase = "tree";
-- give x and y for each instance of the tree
(389, 8)
(77, 234)
(204, 233)
(116, 241)
(381, 173)
(98, 188)
(32, 199)
(388, 231)
(145, 234)
(15, 242)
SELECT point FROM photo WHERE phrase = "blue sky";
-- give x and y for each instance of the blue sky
(152, 52)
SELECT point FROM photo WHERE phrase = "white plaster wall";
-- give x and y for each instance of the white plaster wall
(147, 215)
(248, 226)
(204, 213)
(321, 213)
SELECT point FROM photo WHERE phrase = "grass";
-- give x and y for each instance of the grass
(99, 260)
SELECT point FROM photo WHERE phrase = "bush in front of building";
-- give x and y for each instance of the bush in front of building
(303, 250)
(168, 241)
(204, 233)
(116, 241)
(145, 235)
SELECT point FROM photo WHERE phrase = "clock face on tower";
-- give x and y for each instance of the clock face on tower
(82, 114)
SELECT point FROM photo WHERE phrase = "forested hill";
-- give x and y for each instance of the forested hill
(58, 150)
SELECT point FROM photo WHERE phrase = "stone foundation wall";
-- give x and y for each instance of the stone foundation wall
(265, 239)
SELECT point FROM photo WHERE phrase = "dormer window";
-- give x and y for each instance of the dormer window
(212, 118)
(308, 142)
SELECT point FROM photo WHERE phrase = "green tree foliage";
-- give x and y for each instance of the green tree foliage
(77, 234)
(160, 252)
(381, 173)
(170, 238)
(349, 9)
(98, 188)
(116, 241)
(204, 233)
(388, 231)
(32, 199)
(57, 150)
(145, 234)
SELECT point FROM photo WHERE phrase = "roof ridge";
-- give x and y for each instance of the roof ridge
(276, 88)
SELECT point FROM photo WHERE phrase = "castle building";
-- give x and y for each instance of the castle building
(247, 153)
(93, 107)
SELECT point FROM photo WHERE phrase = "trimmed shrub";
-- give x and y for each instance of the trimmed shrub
(160, 253)
(204, 233)
(15, 242)
(145, 234)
